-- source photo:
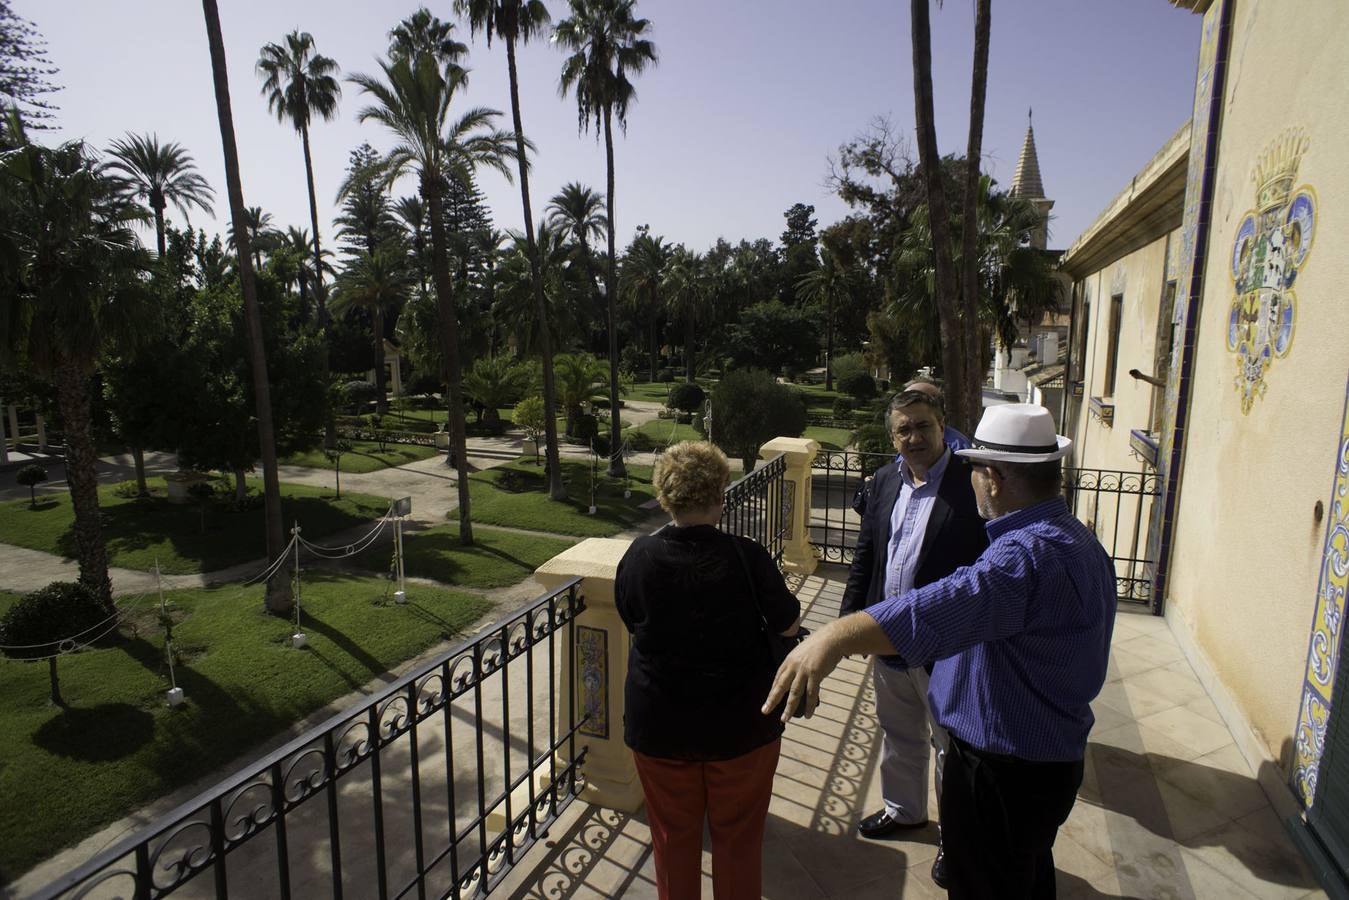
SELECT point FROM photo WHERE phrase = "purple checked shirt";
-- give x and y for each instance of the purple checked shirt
(1020, 639)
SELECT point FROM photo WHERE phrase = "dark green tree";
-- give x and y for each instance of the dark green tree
(775, 337)
(35, 627)
(25, 70)
(749, 409)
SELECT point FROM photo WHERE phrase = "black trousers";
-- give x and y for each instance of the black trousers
(999, 818)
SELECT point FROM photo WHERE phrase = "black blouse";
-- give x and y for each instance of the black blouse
(699, 669)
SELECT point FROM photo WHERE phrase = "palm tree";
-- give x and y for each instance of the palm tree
(974, 359)
(410, 213)
(643, 274)
(580, 378)
(423, 32)
(279, 600)
(958, 410)
(515, 22)
(494, 382)
(826, 285)
(379, 282)
(686, 290)
(515, 289)
(607, 45)
(578, 212)
(300, 84)
(294, 244)
(413, 102)
(262, 237)
(70, 273)
(160, 174)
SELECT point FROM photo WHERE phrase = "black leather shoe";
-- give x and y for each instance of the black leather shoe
(939, 869)
(879, 824)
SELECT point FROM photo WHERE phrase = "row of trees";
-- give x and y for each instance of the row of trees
(197, 331)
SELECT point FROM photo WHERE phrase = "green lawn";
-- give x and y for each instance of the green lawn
(138, 532)
(667, 431)
(365, 456)
(525, 503)
(496, 559)
(64, 774)
(829, 438)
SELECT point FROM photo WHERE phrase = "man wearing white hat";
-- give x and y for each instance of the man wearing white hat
(1020, 641)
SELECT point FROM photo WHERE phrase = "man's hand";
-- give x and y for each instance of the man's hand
(801, 673)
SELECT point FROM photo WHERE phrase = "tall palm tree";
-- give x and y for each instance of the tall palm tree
(159, 174)
(686, 290)
(516, 22)
(279, 598)
(607, 45)
(300, 83)
(969, 307)
(295, 244)
(516, 290)
(947, 292)
(70, 288)
(577, 213)
(643, 275)
(413, 102)
(828, 284)
(379, 282)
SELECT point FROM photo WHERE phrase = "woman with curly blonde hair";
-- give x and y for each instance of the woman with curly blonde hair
(696, 601)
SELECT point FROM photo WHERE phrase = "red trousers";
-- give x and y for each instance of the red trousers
(732, 795)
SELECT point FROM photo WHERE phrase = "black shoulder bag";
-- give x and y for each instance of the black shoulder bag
(778, 645)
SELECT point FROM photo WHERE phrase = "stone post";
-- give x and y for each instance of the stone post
(798, 556)
(41, 433)
(4, 442)
(601, 664)
(14, 423)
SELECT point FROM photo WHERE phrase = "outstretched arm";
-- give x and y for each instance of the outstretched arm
(801, 673)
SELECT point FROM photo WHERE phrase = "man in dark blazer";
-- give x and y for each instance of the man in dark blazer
(921, 524)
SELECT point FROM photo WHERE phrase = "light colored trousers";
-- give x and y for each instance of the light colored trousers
(908, 737)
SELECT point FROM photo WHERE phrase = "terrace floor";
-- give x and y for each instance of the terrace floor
(1169, 808)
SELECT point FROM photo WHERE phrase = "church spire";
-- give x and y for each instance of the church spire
(1026, 181)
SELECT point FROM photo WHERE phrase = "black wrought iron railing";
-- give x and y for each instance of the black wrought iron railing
(835, 516)
(435, 786)
(759, 505)
(1116, 505)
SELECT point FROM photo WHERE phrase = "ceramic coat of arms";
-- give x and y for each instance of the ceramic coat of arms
(1271, 248)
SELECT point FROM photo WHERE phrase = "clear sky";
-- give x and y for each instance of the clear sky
(734, 125)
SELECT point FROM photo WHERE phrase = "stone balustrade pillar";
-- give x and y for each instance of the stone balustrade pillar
(798, 556)
(601, 665)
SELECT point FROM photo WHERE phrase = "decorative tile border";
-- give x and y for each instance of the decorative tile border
(1323, 652)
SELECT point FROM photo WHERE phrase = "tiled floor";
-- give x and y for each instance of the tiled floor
(1169, 808)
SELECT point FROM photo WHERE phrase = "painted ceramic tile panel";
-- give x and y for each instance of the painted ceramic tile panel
(1271, 248)
(1323, 653)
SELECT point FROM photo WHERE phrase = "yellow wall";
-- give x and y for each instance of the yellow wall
(1247, 548)
(1141, 278)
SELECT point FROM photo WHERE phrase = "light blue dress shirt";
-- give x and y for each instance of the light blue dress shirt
(908, 524)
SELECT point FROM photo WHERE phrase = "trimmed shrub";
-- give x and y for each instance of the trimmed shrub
(859, 384)
(687, 397)
(665, 375)
(843, 407)
(61, 610)
(640, 441)
(587, 426)
(358, 395)
(30, 476)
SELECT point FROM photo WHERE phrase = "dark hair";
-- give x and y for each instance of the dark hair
(905, 399)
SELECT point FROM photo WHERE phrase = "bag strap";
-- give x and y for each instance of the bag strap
(753, 586)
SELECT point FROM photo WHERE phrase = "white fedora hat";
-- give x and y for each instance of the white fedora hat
(1016, 433)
